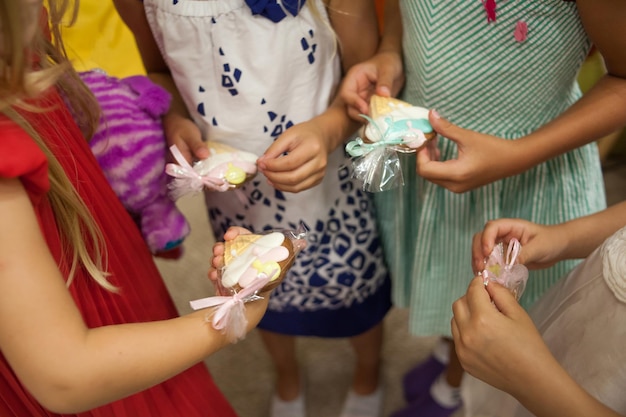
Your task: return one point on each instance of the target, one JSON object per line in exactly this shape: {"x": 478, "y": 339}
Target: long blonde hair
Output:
{"x": 26, "y": 73}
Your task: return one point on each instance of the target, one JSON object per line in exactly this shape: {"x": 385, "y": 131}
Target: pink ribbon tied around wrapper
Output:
{"x": 502, "y": 268}
{"x": 187, "y": 180}
{"x": 229, "y": 316}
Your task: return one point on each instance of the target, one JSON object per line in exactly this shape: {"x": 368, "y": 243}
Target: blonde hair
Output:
{"x": 25, "y": 73}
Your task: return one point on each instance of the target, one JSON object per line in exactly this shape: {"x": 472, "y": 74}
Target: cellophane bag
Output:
{"x": 253, "y": 264}
{"x": 502, "y": 268}
{"x": 225, "y": 169}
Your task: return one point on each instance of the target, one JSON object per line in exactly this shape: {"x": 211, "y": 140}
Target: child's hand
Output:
{"x": 482, "y": 159}
{"x": 297, "y": 160}
{"x": 498, "y": 342}
{"x": 382, "y": 75}
{"x": 541, "y": 245}
{"x": 217, "y": 262}
{"x": 185, "y": 134}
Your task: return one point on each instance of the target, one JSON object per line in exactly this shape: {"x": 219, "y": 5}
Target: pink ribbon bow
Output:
{"x": 187, "y": 180}
{"x": 229, "y": 316}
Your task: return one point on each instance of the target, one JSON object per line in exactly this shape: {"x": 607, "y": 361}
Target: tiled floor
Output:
{"x": 243, "y": 371}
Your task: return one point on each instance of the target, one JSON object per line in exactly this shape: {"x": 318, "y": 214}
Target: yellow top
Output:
{"x": 99, "y": 39}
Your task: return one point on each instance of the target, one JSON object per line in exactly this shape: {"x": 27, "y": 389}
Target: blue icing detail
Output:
{"x": 221, "y": 51}
{"x": 233, "y": 91}
{"x": 237, "y": 74}
{"x": 214, "y": 121}
{"x": 272, "y": 115}
{"x": 213, "y": 20}
{"x": 265, "y": 129}
{"x": 288, "y": 124}
{"x": 304, "y": 44}
{"x": 263, "y": 101}
{"x": 226, "y": 67}
{"x": 174, "y": 2}
{"x": 201, "y": 109}
{"x": 201, "y": 89}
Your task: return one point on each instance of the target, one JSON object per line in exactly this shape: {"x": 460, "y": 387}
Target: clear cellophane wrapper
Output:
{"x": 374, "y": 151}
{"x": 378, "y": 170}
{"x": 502, "y": 268}
{"x": 225, "y": 169}
{"x": 254, "y": 264}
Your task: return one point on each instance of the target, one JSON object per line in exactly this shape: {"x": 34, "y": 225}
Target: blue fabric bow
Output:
{"x": 272, "y": 10}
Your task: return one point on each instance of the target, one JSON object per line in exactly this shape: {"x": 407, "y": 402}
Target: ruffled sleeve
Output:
{"x": 20, "y": 157}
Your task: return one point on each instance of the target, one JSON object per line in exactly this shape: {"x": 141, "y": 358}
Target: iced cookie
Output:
{"x": 247, "y": 257}
{"x": 227, "y": 166}
{"x": 398, "y": 123}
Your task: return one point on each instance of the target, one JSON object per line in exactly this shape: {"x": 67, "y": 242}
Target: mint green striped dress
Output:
{"x": 477, "y": 75}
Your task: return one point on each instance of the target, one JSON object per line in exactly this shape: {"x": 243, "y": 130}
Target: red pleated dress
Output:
{"x": 143, "y": 296}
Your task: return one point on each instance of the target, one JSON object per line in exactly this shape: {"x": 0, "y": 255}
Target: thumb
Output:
{"x": 503, "y": 299}
{"x": 384, "y": 82}
{"x": 199, "y": 149}
{"x": 444, "y": 128}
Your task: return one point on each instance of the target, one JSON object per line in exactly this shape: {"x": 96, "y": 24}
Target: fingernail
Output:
{"x": 435, "y": 114}
{"x": 384, "y": 91}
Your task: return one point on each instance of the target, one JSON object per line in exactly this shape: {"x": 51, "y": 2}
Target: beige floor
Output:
{"x": 243, "y": 371}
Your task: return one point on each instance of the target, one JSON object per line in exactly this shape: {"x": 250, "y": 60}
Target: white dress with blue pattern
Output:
{"x": 246, "y": 79}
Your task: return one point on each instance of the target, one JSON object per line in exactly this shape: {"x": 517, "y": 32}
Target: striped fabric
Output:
{"x": 478, "y": 76}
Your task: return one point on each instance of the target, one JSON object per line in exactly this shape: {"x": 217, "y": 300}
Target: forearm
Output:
{"x": 356, "y": 26}
{"x": 553, "y": 393}
{"x": 596, "y": 114}
{"x": 585, "y": 234}
{"x": 177, "y": 105}
{"x": 116, "y": 361}
{"x": 391, "y": 40}
{"x": 134, "y": 16}
{"x": 336, "y": 125}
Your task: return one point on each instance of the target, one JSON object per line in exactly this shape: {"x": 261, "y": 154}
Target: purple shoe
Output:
{"x": 425, "y": 407}
{"x": 416, "y": 383}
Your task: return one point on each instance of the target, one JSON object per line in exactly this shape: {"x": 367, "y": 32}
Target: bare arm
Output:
{"x": 543, "y": 246}
{"x": 65, "y": 365}
{"x": 356, "y": 25}
{"x": 308, "y": 144}
{"x": 179, "y": 128}
{"x": 502, "y": 347}
{"x": 601, "y": 111}
{"x": 382, "y": 74}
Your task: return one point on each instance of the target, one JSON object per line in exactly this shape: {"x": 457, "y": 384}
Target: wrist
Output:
{"x": 335, "y": 126}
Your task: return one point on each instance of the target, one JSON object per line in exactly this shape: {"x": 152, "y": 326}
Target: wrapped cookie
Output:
{"x": 253, "y": 264}
{"x": 225, "y": 169}
{"x": 393, "y": 126}
{"x": 502, "y": 268}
